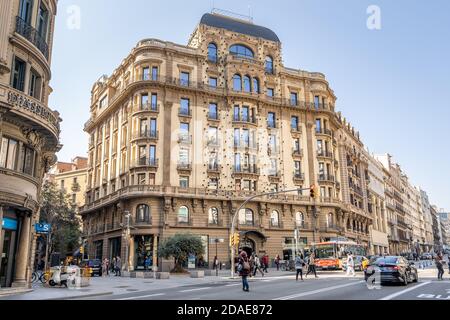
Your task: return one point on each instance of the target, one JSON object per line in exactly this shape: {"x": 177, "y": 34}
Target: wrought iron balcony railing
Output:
{"x": 31, "y": 34}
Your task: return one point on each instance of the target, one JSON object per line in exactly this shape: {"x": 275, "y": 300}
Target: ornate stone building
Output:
{"x": 182, "y": 135}
{"x": 29, "y": 130}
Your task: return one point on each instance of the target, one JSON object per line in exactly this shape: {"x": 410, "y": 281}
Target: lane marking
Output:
{"x": 394, "y": 295}
{"x": 233, "y": 285}
{"x": 303, "y": 294}
{"x": 189, "y": 290}
{"x": 140, "y": 297}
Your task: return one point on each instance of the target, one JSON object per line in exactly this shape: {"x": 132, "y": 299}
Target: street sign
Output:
{"x": 42, "y": 228}
{"x": 216, "y": 240}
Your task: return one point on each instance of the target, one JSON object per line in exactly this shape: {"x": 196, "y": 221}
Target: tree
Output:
{"x": 58, "y": 211}
{"x": 180, "y": 246}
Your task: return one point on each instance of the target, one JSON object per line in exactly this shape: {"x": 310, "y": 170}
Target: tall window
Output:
{"x": 143, "y": 127}
{"x": 247, "y": 85}
{"x": 35, "y": 84}
{"x": 143, "y": 213}
{"x": 42, "y": 24}
{"x": 237, "y": 137}
{"x": 316, "y": 102}
{"x": 213, "y": 216}
{"x": 213, "y": 111}
{"x": 152, "y": 127}
{"x": 184, "y": 106}
{"x": 241, "y": 51}
{"x": 146, "y": 73}
{"x": 25, "y": 11}
{"x": 246, "y": 217}
{"x": 184, "y": 79}
{"x": 318, "y": 126}
{"x": 18, "y": 74}
{"x": 329, "y": 220}
{"x": 17, "y": 156}
{"x": 297, "y": 168}
{"x": 294, "y": 123}
{"x": 294, "y": 99}
{"x": 245, "y": 114}
{"x": 184, "y": 182}
{"x": 183, "y": 214}
{"x": 300, "y": 219}
{"x": 274, "y": 219}
{"x": 152, "y": 154}
{"x": 154, "y": 73}
{"x": 270, "y": 92}
{"x": 237, "y": 162}
{"x": 269, "y": 65}
{"x": 297, "y": 145}
{"x": 103, "y": 102}
{"x": 237, "y": 83}
{"x": 154, "y": 101}
{"x": 212, "y": 52}
{"x": 212, "y": 82}
{"x": 184, "y": 157}
{"x": 255, "y": 85}
{"x": 213, "y": 138}
{"x": 271, "y": 119}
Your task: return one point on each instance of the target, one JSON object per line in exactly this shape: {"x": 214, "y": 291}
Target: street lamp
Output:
{"x": 233, "y": 221}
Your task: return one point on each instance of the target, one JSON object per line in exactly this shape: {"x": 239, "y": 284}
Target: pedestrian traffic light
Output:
{"x": 231, "y": 240}
{"x": 236, "y": 238}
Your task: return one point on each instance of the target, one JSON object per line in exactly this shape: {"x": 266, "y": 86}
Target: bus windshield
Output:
{"x": 325, "y": 251}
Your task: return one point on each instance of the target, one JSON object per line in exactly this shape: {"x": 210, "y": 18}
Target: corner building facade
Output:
{"x": 182, "y": 135}
{"x": 29, "y": 130}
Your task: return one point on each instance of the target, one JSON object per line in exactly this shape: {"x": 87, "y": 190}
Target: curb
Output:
{"x": 84, "y": 296}
{"x": 8, "y": 293}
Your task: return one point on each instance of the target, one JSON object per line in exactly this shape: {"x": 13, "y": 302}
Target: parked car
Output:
{"x": 94, "y": 264}
{"x": 393, "y": 269}
{"x": 426, "y": 256}
{"x": 358, "y": 263}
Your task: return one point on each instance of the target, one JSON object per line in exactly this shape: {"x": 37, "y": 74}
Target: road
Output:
{"x": 286, "y": 288}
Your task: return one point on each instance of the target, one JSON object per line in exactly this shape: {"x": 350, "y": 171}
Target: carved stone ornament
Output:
{"x": 34, "y": 139}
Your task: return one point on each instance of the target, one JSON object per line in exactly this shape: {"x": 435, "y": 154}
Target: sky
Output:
{"x": 390, "y": 82}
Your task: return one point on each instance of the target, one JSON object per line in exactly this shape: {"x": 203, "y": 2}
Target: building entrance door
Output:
{"x": 7, "y": 245}
{"x": 248, "y": 246}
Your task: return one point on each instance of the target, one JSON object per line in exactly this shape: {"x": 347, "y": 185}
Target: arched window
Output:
{"x": 275, "y": 219}
{"x": 213, "y": 216}
{"x": 143, "y": 213}
{"x": 241, "y": 51}
{"x": 212, "y": 52}
{"x": 247, "y": 85}
{"x": 255, "y": 85}
{"x": 329, "y": 220}
{"x": 246, "y": 217}
{"x": 300, "y": 219}
{"x": 237, "y": 83}
{"x": 183, "y": 214}
{"x": 269, "y": 64}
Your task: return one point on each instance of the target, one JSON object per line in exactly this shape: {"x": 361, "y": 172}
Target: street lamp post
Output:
{"x": 127, "y": 235}
{"x": 233, "y": 221}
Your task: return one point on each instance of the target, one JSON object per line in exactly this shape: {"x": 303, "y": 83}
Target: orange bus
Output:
{"x": 330, "y": 254}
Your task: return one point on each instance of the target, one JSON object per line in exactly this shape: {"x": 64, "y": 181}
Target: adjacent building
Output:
{"x": 29, "y": 129}
{"x": 181, "y": 135}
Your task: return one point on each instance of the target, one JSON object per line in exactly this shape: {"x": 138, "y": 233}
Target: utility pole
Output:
{"x": 233, "y": 221}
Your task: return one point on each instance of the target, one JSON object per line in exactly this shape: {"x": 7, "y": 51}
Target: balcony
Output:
{"x": 330, "y": 228}
{"x": 214, "y": 116}
{"x": 297, "y": 153}
{"x": 402, "y": 223}
{"x": 271, "y": 125}
{"x": 274, "y": 174}
{"x": 302, "y": 225}
{"x": 299, "y": 177}
{"x": 184, "y": 166}
{"x": 273, "y": 150}
{"x": 297, "y": 129}
{"x": 214, "y": 142}
{"x": 237, "y": 119}
{"x": 32, "y": 35}
{"x": 325, "y": 154}
{"x": 147, "y": 162}
{"x": 246, "y": 145}
{"x": 184, "y": 138}
{"x": 325, "y": 178}
{"x": 324, "y": 131}
{"x": 184, "y": 112}
{"x": 144, "y": 222}
{"x": 147, "y": 134}
{"x": 400, "y": 208}
{"x": 213, "y": 168}
{"x": 251, "y": 169}
{"x": 276, "y": 224}
{"x": 148, "y": 107}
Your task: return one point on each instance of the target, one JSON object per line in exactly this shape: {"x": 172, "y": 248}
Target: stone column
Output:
{"x": 5, "y": 23}
{"x": 155, "y": 253}
{"x": 20, "y": 279}
{"x": 1, "y": 232}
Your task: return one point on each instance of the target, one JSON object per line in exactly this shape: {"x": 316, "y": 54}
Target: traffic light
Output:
{"x": 236, "y": 238}
{"x": 231, "y": 240}
{"x": 312, "y": 191}
{"x": 82, "y": 250}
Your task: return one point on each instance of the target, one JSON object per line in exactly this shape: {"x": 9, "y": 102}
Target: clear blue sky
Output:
{"x": 390, "y": 83}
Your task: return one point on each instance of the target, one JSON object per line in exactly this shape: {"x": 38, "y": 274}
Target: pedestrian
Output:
{"x": 257, "y": 266}
{"x": 312, "y": 265}
{"x": 277, "y": 262}
{"x": 113, "y": 265}
{"x": 215, "y": 263}
{"x": 439, "y": 265}
{"x": 104, "y": 267}
{"x": 299, "y": 264}
{"x": 244, "y": 270}
{"x": 350, "y": 264}
{"x": 147, "y": 263}
{"x": 118, "y": 266}
{"x": 265, "y": 263}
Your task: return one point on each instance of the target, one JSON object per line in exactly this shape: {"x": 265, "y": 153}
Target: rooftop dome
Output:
{"x": 235, "y": 25}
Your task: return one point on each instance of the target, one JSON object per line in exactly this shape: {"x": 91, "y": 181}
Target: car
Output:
{"x": 426, "y": 256}
{"x": 393, "y": 269}
{"x": 94, "y": 264}
{"x": 358, "y": 263}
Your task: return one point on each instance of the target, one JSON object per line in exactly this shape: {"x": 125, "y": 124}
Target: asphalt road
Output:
{"x": 286, "y": 288}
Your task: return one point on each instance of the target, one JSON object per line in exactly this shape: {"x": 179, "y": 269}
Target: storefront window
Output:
{"x": 144, "y": 252}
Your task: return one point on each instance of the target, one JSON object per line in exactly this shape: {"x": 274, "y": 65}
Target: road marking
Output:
{"x": 189, "y": 290}
{"x": 233, "y": 285}
{"x": 394, "y": 295}
{"x": 140, "y": 297}
{"x": 303, "y": 294}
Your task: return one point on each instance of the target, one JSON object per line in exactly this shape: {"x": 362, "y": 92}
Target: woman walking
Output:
{"x": 299, "y": 264}
{"x": 257, "y": 266}
{"x": 439, "y": 265}
{"x": 244, "y": 270}
{"x": 277, "y": 262}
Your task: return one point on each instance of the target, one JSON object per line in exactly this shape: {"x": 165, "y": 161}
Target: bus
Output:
{"x": 330, "y": 254}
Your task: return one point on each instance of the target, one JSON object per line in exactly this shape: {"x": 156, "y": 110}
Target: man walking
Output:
{"x": 439, "y": 265}
{"x": 118, "y": 267}
{"x": 311, "y": 265}
{"x": 350, "y": 264}
{"x": 277, "y": 262}
{"x": 257, "y": 266}
{"x": 265, "y": 263}
{"x": 299, "y": 263}
{"x": 244, "y": 270}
